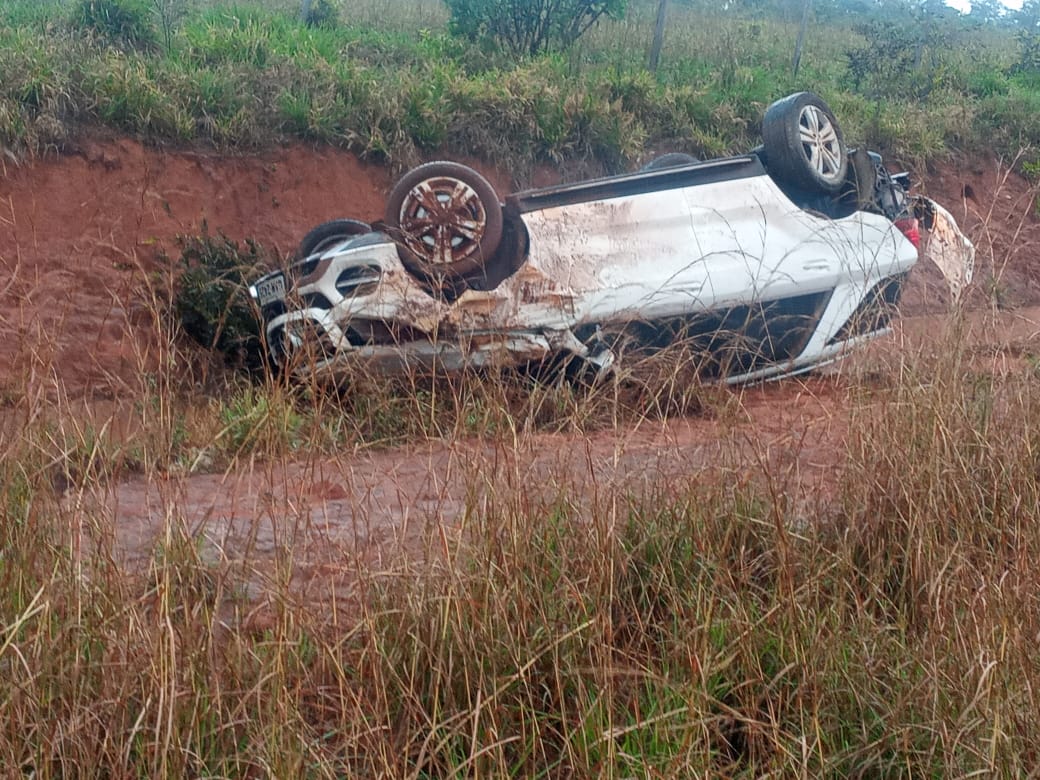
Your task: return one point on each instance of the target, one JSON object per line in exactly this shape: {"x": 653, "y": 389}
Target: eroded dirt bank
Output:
{"x": 81, "y": 234}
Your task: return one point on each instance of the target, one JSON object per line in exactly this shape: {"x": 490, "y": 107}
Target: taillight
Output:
{"x": 910, "y": 228}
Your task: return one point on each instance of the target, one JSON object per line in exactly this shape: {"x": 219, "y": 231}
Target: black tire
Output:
{"x": 445, "y": 218}
{"x": 861, "y": 180}
{"x": 328, "y": 234}
{"x": 510, "y": 255}
{"x": 669, "y": 160}
{"x": 804, "y": 144}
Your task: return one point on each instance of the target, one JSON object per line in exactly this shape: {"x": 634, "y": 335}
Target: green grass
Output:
{"x": 389, "y": 83}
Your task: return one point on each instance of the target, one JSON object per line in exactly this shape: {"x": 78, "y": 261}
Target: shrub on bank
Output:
{"x": 125, "y": 24}
{"x": 211, "y": 299}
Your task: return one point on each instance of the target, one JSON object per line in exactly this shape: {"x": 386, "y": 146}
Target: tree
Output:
{"x": 319, "y": 13}
{"x": 170, "y": 13}
{"x": 529, "y": 26}
{"x": 885, "y": 63}
{"x": 1028, "y": 16}
{"x": 1027, "y": 19}
{"x": 986, "y": 11}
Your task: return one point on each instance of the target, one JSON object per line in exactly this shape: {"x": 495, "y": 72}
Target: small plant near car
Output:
{"x": 212, "y": 301}
{"x": 255, "y": 420}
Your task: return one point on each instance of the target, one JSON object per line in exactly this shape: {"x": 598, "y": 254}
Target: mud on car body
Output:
{"x": 763, "y": 265}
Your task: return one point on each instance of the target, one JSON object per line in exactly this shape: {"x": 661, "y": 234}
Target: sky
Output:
{"x": 964, "y": 5}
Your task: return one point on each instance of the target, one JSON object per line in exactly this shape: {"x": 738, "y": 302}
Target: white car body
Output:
{"x": 716, "y": 244}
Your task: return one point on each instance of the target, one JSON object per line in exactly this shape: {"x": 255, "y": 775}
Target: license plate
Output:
{"x": 270, "y": 289}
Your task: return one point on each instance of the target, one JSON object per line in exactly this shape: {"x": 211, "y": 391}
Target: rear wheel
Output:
{"x": 328, "y": 234}
{"x": 804, "y": 145}
{"x": 446, "y": 219}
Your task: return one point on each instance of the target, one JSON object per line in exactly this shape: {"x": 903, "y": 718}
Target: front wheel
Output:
{"x": 446, "y": 219}
{"x": 804, "y": 145}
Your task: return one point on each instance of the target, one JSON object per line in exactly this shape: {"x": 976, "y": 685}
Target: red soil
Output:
{"x": 82, "y": 233}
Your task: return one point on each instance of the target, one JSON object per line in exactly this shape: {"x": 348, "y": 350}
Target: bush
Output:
{"x": 321, "y": 13}
{"x": 885, "y": 65}
{"x": 212, "y": 302}
{"x": 988, "y": 82}
{"x": 527, "y": 27}
{"x": 125, "y": 24}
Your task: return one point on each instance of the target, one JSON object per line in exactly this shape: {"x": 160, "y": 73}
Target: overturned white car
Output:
{"x": 761, "y": 265}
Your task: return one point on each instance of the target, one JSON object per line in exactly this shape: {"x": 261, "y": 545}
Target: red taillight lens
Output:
{"x": 910, "y": 228}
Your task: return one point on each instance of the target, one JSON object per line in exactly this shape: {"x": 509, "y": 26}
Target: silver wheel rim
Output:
{"x": 820, "y": 143}
{"x": 443, "y": 220}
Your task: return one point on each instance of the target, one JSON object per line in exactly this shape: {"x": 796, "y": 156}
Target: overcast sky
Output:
{"x": 964, "y": 5}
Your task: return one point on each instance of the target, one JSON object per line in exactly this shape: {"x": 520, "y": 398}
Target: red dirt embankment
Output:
{"x": 82, "y": 231}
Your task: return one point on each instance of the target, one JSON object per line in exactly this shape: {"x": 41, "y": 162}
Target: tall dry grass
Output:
{"x": 707, "y": 622}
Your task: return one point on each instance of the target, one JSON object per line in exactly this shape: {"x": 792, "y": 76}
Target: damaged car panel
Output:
{"x": 763, "y": 265}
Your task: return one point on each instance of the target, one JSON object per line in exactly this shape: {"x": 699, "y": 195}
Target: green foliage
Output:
{"x": 124, "y": 24}
{"x": 1009, "y": 121}
{"x": 988, "y": 82}
{"x": 131, "y": 96}
{"x": 212, "y": 301}
{"x": 529, "y": 26}
{"x": 898, "y": 61}
{"x": 1031, "y": 168}
{"x": 257, "y": 421}
{"x": 39, "y": 93}
{"x": 246, "y": 74}
{"x": 15, "y": 13}
{"x": 1029, "y": 54}
{"x": 883, "y": 61}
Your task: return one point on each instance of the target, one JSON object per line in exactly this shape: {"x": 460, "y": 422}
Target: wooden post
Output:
{"x": 801, "y": 39}
{"x": 655, "y": 47}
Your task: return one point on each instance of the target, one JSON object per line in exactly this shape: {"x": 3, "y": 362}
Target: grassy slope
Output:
{"x": 394, "y": 85}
